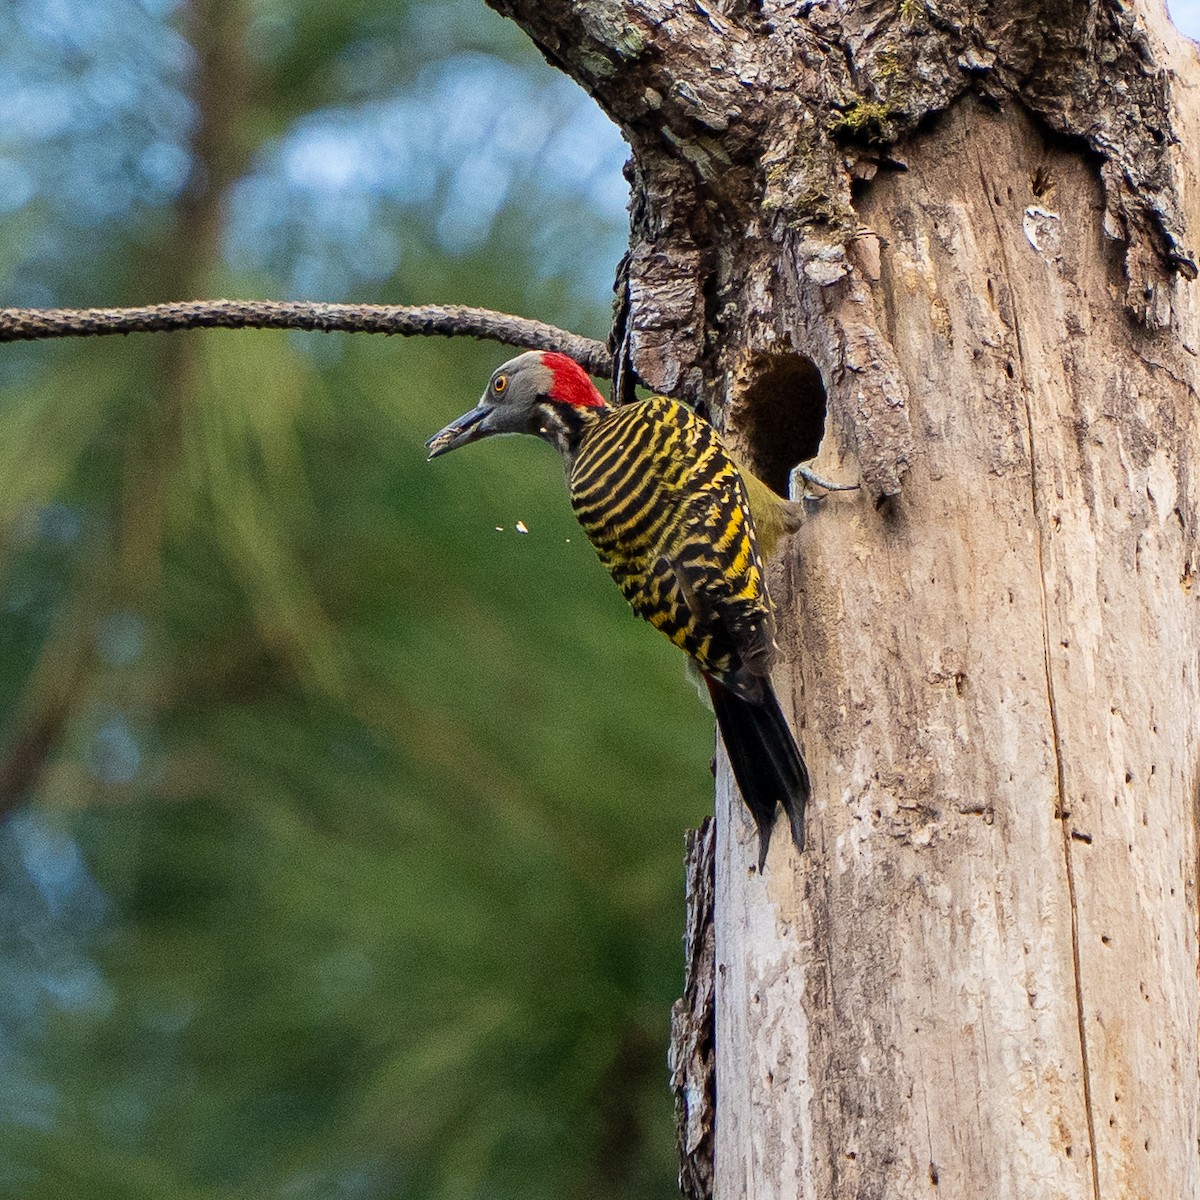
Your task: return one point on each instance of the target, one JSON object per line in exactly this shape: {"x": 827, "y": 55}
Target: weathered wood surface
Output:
{"x": 982, "y": 981}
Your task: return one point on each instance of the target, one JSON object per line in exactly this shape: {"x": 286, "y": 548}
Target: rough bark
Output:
{"x": 965, "y": 229}
{"x": 692, "y": 1054}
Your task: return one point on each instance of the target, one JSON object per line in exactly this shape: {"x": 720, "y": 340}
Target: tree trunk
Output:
{"x": 947, "y": 244}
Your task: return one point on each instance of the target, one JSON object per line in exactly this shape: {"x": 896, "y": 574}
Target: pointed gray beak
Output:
{"x": 467, "y": 429}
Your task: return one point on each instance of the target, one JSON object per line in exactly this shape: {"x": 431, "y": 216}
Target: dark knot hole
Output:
{"x": 780, "y": 417}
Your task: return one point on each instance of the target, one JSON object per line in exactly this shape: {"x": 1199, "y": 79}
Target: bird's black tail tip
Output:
{"x": 795, "y": 815}
{"x": 765, "y": 759}
{"x": 764, "y": 839}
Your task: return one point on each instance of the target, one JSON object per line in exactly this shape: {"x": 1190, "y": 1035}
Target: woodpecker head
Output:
{"x": 539, "y": 392}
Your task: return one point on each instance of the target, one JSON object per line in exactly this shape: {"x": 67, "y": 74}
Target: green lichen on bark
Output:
{"x": 865, "y": 120}
{"x": 609, "y": 23}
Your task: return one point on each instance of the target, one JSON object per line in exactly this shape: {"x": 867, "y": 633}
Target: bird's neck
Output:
{"x": 567, "y": 427}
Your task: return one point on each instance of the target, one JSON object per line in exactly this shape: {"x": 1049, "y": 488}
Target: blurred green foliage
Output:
{"x": 345, "y": 821}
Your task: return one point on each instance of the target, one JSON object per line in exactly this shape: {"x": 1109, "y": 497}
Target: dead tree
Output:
{"x": 946, "y": 246}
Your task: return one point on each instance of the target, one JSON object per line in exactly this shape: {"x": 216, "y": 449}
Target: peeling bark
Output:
{"x": 752, "y": 123}
{"x": 957, "y": 237}
{"x": 692, "y": 1054}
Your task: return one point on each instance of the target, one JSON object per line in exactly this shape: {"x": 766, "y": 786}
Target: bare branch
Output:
{"x": 444, "y": 320}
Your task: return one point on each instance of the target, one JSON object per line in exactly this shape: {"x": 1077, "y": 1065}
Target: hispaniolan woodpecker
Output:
{"x": 669, "y": 512}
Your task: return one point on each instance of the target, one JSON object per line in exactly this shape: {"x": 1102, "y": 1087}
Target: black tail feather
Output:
{"x": 765, "y": 759}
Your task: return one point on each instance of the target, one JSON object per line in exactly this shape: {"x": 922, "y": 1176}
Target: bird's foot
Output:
{"x": 813, "y": 480}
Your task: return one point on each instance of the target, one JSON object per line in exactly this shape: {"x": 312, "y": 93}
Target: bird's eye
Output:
{"x": 499, "y": 384}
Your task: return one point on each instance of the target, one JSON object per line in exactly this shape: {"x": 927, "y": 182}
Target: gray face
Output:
{"x": 514, "y": 401}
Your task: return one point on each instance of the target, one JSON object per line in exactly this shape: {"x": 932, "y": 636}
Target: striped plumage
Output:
{"x": 669, "y": 512}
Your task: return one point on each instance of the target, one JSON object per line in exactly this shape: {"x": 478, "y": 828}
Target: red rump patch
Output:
{"x": 571, "y": 383}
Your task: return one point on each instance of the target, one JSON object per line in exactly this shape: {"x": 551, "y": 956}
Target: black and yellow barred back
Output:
{"x": 667, "y": 510}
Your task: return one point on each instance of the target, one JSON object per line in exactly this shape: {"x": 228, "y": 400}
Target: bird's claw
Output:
{"x": 811, "y": 480}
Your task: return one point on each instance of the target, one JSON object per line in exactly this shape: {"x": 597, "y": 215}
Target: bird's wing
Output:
{"x": 774, "y": 517}
{"x": 667, "y": 510}
{"x": 719, "y": 570}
